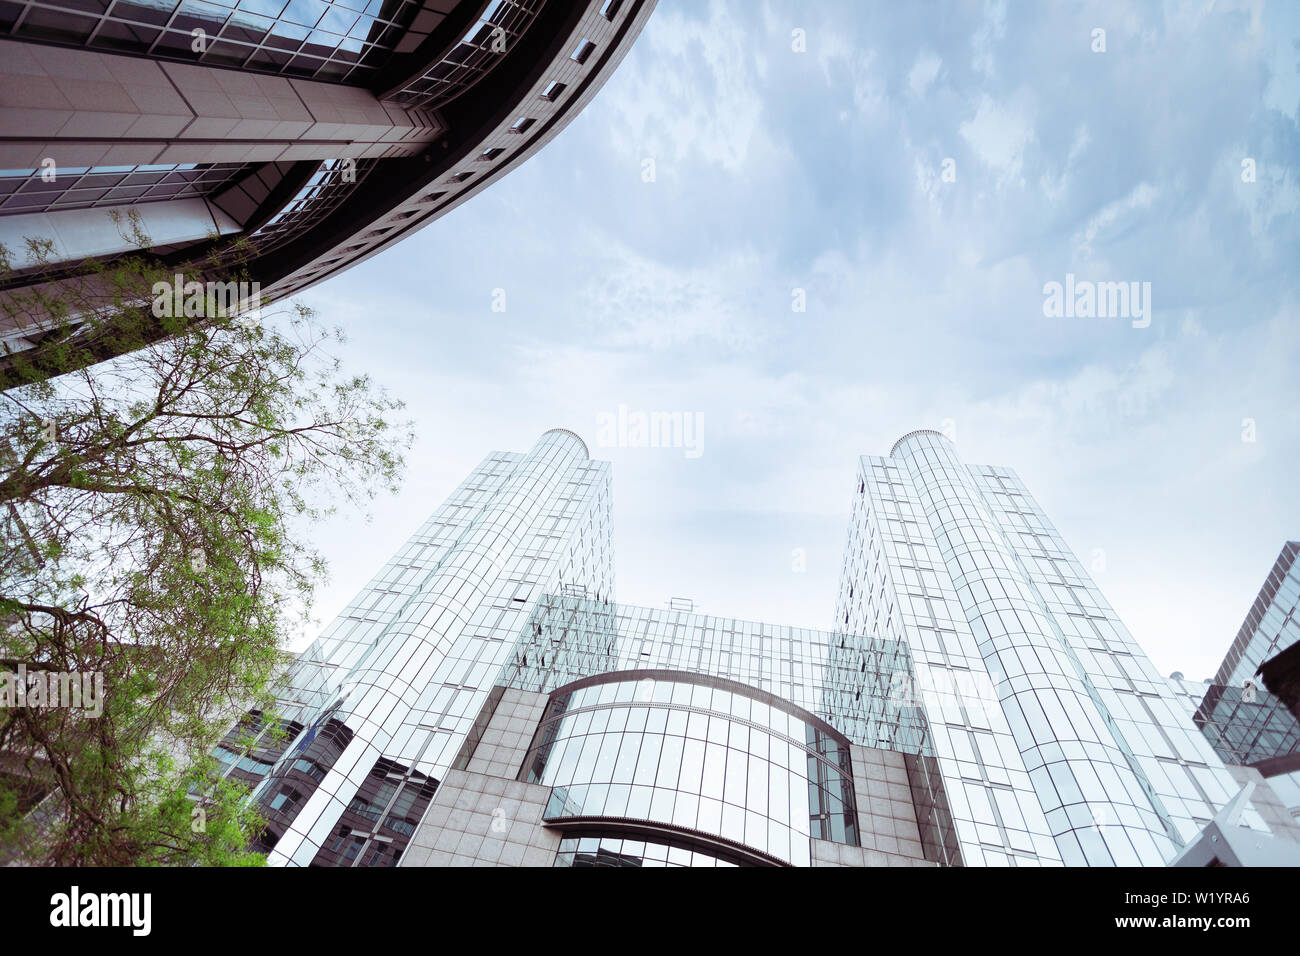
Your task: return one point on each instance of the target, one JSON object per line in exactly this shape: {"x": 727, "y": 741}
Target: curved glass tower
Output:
{"x": 406, "y": 667}
{"x": 1068, "y": 746}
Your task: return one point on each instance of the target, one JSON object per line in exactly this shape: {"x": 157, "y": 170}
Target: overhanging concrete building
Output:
{"x": 486, "y": 701}
{"x": 322, "y": 131}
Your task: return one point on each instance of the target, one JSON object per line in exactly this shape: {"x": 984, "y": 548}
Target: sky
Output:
{"x": 914, "y": 176}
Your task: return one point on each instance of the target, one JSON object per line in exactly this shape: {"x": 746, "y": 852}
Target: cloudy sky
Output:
{"x": 822, "y": 169}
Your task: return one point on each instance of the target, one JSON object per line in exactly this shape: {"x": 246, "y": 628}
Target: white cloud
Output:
{"x": 1114, "y": 214}
{"x": 992, "y": 29}
{"x": 1275, "y": 193}
{"x": 659, "y": 112}
{"x": 998, "y": 133}
{"x": 1057, "y": 187}
{"x": 923, "y": 73}
{"x": 632, "y": 301}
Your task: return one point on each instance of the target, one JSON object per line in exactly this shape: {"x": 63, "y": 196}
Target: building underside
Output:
{"x": 293, "y": 139}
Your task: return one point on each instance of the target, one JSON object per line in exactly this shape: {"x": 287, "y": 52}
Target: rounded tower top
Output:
{"x": 574, "y": 435}
{"x": 919, "y": 431}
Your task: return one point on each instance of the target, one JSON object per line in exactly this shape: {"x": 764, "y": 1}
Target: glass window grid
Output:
{"x": 1245, "y": 731}
{"x": 848, "y": 680}
{"x": 751, "y": 772}
{"x": 1181, "y": 778}
{"x": 380, "y": 818}
{"x": 252, "y": 747}
{"x": 88, "y": 187}
{"x": 342, "y": 41}
{"x": 617, "y": 851}
{"x": 1052, "y": 707}
{"x": 325, "y": 191}
{"x": 895, "y": 583}
{"x": 880, "y": 595}
{"x": 1272, "y": 624}
{"x": 480, "y": 49}
{"x": 851, "y": 681}
{"x": 566, "y": 544}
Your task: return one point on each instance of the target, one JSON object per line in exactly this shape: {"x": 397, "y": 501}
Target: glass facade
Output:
{"x": 409, "y": 663}
{"x": 253, "y": 746}
{"x": 1021, "y": 722}
{"x": 1272, "y": 624}
{"x": 380, "y": 819}
{"x": 343, "y": 41}
{"x": 1247, "y": 725}
{"x": 599, "y": 849}
{"x": 1243, "y": 721}
{"x": 1071, "y": 749}
{"x": 240, "y": 102}
{"x": 324, "y": 192}
{"x": 699, "y": 755}
{"x": 846, "y": 679}
{"x": 88, "y": 187}
{"x": 855, "y": 684}
{"x": 484, "y": 45}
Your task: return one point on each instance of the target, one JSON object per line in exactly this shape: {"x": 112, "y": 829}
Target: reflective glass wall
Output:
{"x": 696, "y": 754}
{"x": 1272, "y": 624}
{"x": 1069, "y": 747}
{"x": 408, "y": 664}
{"x": 597, "y": 848}
{"x": 1247, "y": 724}
{"x": 859, "y": 685}
{"x": 342, "y": 41}
{"x": 862, "y": 687}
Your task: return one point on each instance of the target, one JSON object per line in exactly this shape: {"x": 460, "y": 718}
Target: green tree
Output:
{"x": 153, "y": 509}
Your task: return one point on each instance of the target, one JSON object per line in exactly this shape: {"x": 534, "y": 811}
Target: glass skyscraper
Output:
{"x": 485, "y": 701}
{"x": 1086, "y": 757}
{"x": 387, "y": 693}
